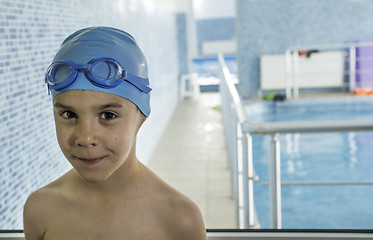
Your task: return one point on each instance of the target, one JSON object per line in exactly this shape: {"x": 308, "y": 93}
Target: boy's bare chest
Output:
{"x": 106, "y": 222}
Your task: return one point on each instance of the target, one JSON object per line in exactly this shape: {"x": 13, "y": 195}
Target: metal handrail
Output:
{"x": 323, "y": 183}
{"x": 245, "y": 129}
{"x": 308, "y": 126}
{"x": 242, "y": 117}
{"x": 243, "y": 176}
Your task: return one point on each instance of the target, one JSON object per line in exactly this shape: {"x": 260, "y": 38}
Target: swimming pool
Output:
{"x": 206, "y": 67}
{"x": 208, "y": 71}
{"x": 317, "y": 157}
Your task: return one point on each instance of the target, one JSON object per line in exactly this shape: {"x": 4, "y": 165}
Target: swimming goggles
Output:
{"x": 102, "y": 72}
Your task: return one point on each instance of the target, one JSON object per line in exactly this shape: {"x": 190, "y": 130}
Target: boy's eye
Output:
{"x": 68, "y": 114}
{"x": 108, "y": 115}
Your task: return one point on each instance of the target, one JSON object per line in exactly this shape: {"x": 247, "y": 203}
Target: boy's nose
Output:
{"x": 86, "y": 135}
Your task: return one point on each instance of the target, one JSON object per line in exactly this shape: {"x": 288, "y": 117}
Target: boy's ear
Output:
{"x": 141, "y": 118}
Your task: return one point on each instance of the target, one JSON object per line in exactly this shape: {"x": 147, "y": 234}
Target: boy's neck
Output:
{"x": 125, "y": 180}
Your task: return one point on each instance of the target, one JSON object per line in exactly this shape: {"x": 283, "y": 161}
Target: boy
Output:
{"x": 98, "y": 81}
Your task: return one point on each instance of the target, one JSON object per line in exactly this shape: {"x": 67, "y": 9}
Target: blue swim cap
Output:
{"x": 97, "y": 42}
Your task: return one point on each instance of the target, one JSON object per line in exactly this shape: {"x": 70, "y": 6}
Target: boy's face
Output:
{"x": 96, "y": 131}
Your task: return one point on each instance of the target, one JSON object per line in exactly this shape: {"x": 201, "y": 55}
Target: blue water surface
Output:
{"x": 209, "y": 66}
{"x": 312, "y": 157}
{"x": 317, "y": 157}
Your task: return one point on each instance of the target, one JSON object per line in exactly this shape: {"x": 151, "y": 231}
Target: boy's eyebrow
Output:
{"x": 110, "y": 105}
{"x": 100, "y": 107}
{"x": 60, "y": 105}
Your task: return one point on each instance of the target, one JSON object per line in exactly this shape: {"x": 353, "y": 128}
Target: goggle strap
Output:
{"x": 48, "y": 88}
{"x": 140, "y": 83}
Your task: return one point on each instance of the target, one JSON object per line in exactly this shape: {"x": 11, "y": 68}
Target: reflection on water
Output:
{"x": 318, "y": 157}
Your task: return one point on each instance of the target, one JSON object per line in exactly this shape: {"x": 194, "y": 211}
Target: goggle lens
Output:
{"x": 59, "y": 73}
{"x": 106, "y": 70}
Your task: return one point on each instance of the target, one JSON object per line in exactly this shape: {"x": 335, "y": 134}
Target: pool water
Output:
{"x": 312, "y": 157}
{"x": 208, "y": 68}
{"x": 317, "y": 157}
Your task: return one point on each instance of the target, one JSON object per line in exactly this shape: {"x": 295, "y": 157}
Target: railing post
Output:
{"x": 234, "y": 152}
{"x": 289, "y": 73}
{"x": 275, "y": 183}
{"x": 241, "y": 178}
{"x": 248, "y": 209}
{"x": 296, "y": 74}
{"x": 352, "y": 67}
{"x": 248, "y": 158}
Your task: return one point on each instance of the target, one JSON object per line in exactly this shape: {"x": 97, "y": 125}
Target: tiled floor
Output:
{"x": 192, "y": 157}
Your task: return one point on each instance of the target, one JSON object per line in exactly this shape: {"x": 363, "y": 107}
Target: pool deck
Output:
{"x": 192, "y": 157}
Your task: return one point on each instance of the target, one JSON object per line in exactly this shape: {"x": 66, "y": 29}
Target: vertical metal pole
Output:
{"x": 245, "y": 179}
{"x": 242, "y": 180}
{"x": 234, "y": 156}
{"x": 275, "y": 183}
{"x": 250, "y": 180}
{"x": 352, "y": 68}
{"x": 289, "y": 74}
{"x": 296, "y": 74}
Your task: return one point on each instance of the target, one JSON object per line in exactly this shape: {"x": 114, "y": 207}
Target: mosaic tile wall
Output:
{"x": 215, "y": 29}
{"x": 30, "y": 33}
{"x": 271, "y": 26}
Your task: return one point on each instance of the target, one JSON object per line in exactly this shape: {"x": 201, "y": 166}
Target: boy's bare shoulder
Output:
{"x": 40, "y": 207}
{"x": 50, "y": 194}
{"x": 184, "y": 219}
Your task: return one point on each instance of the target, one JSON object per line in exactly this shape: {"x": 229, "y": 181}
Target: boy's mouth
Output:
{"x": 90, "y": 160}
